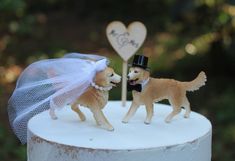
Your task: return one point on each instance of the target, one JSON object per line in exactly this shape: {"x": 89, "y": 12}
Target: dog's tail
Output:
{"x": 196, "y": 83}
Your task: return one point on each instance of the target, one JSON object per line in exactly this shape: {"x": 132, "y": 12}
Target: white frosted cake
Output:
{"x": 69, "y": 139}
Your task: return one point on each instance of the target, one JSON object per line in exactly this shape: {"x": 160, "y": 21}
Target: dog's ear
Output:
{"x": 145, "y": 74}
{"x": 101, "y": 78}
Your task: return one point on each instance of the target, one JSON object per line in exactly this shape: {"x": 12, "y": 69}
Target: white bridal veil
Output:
{"x": 51, "y": 83}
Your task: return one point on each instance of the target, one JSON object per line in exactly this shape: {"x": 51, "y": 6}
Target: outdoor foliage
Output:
{"x": 184, "y": 37}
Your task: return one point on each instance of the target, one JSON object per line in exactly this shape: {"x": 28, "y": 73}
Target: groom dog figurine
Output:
{"x": 147, "y": 90}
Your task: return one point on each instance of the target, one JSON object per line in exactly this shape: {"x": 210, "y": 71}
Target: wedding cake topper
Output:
{"x": 147, "y": 90}
{"x": 55, "y": 83}
{"x": 126, "y": 42}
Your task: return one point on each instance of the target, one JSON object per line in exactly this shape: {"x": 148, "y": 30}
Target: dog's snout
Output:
{"x": 128, "y": 77}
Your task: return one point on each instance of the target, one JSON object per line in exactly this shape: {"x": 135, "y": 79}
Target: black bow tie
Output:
{"x": 137, "y": 87}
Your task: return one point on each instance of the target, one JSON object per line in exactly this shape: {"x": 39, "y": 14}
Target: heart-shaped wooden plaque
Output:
{"x": 126, "y": 41}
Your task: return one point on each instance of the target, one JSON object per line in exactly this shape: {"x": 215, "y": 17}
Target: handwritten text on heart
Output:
{"x": 126, "y": 41}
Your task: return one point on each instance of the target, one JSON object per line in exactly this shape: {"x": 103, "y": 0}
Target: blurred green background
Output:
{"x": 184, "y": 37}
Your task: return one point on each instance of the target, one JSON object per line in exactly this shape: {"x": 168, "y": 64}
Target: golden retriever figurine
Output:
{"x": 96, "y": 97}
{"x": 154, "y": 90}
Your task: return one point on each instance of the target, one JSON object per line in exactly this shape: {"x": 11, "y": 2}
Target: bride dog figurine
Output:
{"x": 75, "y": 79}
{"x": 147, "y": 90}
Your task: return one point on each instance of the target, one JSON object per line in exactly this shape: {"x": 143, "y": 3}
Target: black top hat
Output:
{"x": 140, "y": 61}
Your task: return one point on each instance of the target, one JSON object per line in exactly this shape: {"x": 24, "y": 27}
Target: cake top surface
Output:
{"x": 69, "y": 130}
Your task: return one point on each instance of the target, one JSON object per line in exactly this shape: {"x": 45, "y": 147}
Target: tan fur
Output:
{"x": 159, "y": 89}
{"x": 95, "y": 99}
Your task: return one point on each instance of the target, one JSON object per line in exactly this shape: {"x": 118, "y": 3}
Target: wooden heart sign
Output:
{"x": 126, "y": 41}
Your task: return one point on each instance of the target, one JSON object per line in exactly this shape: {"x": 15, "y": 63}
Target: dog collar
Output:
{"x": 144, "y": 83}
{"x": 101, "y": 88}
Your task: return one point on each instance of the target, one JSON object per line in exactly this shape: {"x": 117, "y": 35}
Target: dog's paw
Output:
{"x": 83, "y": 119}
{"x": 147, "y": 122}
{"x": 54, "y": 117}
{"x": 186, "y": 116}
{"x": 52, "y": 114}
{"x": 107, "y": 127}
{"x": 167, "y": 121}
{"x": 110, "y": 129}
{"x": 124, "y": 121}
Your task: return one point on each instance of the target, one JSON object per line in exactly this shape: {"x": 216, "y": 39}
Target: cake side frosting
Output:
{"x": 67, "y": 137}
